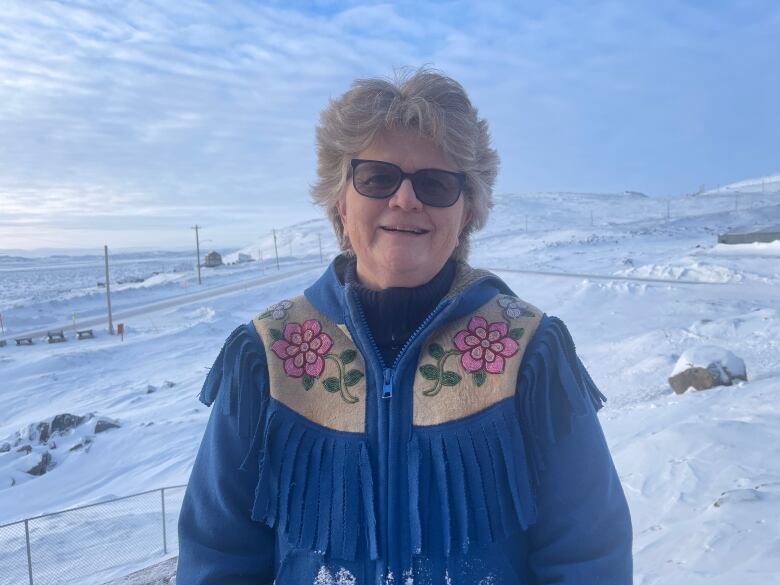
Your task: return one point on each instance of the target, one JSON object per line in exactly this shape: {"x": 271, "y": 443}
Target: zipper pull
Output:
{"x": 387, "y": 388}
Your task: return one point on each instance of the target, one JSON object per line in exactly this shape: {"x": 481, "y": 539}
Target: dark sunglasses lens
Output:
{"x": 376, "y": 179}
{"x": 437, "y": 188}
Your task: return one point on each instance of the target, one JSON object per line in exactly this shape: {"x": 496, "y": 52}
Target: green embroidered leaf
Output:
{"x": 347, "y": 356}
{"x": 264, "y": 315}
{"x": 450, "y": 378}
{"x": 527, "y": 313}
{"x": 352, "y": 377}
{"x": 332, "y": 384}
{"x": 429, "y": 372}
{"x": 435, "y": 350}
{"x": 516, "y": 333}
{"x": 308, "y": 382}
{"x": 276, "y": 334}
{"x": 479, "y": 377}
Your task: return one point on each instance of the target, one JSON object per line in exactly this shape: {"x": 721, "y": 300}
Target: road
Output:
{"x": 177, "y": 301}
{"x": 251, "y": 283}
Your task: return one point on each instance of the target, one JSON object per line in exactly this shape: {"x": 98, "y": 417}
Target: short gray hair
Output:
{"x": 427, "y": 101}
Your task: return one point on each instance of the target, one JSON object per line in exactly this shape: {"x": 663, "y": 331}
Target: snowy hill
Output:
{"x": 767, "y": 184}
{"x": 701, "y": 470}
{"x": 301, "y": 240}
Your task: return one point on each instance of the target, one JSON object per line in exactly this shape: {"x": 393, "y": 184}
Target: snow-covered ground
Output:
{"x": 701, "y": 470}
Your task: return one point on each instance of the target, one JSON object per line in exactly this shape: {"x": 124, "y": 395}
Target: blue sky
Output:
{"x": 125, "y": 123}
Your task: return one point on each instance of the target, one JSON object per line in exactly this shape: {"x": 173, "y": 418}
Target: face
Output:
{"x": 400, "y": 241}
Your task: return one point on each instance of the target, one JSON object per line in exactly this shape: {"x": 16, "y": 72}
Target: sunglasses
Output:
{"x": 378, "y": 180}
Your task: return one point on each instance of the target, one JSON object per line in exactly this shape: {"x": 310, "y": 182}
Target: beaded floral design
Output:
{"x": 514, "y": 308}
{"x": 482, "y": 348}
{"x": 304, "y": 347}
{"x": 277, "y": 311}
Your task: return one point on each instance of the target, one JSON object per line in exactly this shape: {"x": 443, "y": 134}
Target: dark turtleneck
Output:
{"x": 393, "y": 314}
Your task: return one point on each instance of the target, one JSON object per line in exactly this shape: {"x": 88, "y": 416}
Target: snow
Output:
{"x": 703, "y": 356}
{"x": 767, "y": 184}
{"x": 701, "y": 470}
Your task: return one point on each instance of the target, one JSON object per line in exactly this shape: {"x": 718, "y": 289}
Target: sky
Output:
{"x": 126, "y": 123}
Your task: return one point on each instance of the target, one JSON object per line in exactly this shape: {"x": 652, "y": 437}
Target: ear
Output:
{"x": 341, "y": 207}
{"x": 467, "y": 215}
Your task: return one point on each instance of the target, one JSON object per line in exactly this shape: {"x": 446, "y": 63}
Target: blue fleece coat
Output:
{"x": 569, "y": 521}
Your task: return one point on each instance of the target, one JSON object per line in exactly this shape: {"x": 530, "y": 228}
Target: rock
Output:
{"x": 26, "y": 449}
{"x": 705, "y": 367}
{"x": 150, "y": 389}
{"x": 43, "y": 432}
{"x": 65, "y": 422}
{"x": 85, "y": 443}
{"x": 5, "y": 447}
{"x": 169, "y": 384}
{"x": 104, "y": 425}
{"x": 44, "y": 465}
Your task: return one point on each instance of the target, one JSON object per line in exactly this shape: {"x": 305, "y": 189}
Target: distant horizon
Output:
{"x": 125, "y": 122}
{"x": 227, "y": 248}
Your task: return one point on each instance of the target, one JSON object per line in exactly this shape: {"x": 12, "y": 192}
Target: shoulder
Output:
{"x": 553, "y": 385}
{"x": 236, "y": 384}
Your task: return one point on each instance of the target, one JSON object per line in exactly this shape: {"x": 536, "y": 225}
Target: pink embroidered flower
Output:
{"x": 302, "y": 347}
{"x": 484, "y": 346}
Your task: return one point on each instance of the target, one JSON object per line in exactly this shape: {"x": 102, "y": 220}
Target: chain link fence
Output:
{"x": 91, "y": 544}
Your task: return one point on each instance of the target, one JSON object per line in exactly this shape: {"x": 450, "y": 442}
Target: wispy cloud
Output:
{"x": 178, "y": 111}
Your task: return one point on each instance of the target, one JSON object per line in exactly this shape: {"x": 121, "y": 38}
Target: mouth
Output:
{"x": 405, "y": 229}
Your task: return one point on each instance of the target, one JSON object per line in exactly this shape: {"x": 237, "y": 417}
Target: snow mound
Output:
{"x": 707, "y": 356}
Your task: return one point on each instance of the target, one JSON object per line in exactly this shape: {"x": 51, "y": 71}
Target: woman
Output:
{"x": 408, "y": 419}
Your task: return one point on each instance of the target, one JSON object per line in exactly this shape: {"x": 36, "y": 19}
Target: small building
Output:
{"x": 243, "y": 258}
{"x": 750, "y": 235}
{"x": 212, "y": 259}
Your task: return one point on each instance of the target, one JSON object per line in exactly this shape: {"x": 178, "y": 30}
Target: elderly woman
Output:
{"x": 408, "y": 419}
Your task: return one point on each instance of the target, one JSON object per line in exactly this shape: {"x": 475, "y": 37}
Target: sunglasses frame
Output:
{"x": 355, "y": 162}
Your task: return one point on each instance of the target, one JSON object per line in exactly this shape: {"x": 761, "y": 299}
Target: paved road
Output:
{"x": 245, "y": 284}
{"x": 167, "y": 303}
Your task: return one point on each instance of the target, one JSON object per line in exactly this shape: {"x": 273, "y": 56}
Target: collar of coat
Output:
{"x": 466, "y": 363}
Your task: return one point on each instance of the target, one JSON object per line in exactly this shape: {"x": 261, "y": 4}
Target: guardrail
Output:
{"x": 91, "y": 544}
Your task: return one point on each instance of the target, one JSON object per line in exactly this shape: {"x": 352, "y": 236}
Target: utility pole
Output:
{"x": 262, "y": 267}
{"x": 319, "y": 238}
{"x": 276, "y": 250}
{"x": 196, "y": 227}
{"x": 108, "y": 294}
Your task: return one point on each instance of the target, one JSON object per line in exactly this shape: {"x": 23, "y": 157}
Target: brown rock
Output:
{"x": 699, "y": 378}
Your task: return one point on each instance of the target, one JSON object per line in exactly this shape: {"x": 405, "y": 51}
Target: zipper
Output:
{"x": 388, "y": 373}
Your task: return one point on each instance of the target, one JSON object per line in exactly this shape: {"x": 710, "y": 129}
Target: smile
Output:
{"x": 404, "y": 229}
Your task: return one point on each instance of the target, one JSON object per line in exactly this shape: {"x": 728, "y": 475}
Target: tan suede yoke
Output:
{"x": 314, "y": 367}
{"x": 472, "y": 363}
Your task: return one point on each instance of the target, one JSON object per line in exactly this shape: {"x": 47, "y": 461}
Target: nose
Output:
{"x": 405, "y": 198}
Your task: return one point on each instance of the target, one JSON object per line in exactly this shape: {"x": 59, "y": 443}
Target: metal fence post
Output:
{"x": 29, "y": 558}
{"x": 165, "y": 537}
